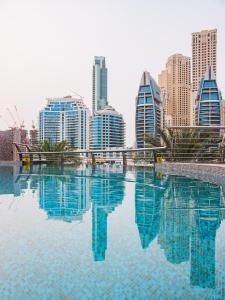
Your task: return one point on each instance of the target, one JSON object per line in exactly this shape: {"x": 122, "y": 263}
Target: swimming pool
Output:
{"x": 109, "y": 233}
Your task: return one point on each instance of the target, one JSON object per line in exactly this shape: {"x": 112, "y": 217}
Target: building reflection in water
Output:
{"x": 10, "y": 182}
{"x": 148, "y": 198}
{"x": 182, "y": 214}
{"x": 205, "y": 222}
{"x": 64, "y": 193}
{"x": 107, "y": 192}
{"x": 185, "y": 215}
{"x": 174, "y": 236}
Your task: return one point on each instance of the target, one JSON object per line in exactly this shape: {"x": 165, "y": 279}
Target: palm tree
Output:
{"x": 187, "y": 144}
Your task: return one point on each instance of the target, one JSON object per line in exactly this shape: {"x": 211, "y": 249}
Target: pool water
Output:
{"x": 109, "y": 233}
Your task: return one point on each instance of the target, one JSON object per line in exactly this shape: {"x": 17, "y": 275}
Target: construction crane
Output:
{"x": 11, "y": 115}
{"x": 17, "y": 114}
{"x": 19, "y": 120}
{"x": 5, "y": 121}
{"x": 81, "y": 97}
{"x": 33, "y": 125}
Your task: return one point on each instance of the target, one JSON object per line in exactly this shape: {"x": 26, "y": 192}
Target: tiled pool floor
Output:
{"x": 109, "y": 233}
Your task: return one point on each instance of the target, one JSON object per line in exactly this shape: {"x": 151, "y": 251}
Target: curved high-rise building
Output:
{"x": 209, "y": 101}
{"x": 107, "y": 129}
{"x": 149, "y": 109}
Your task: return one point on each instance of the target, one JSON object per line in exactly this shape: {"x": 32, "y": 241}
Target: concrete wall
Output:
{"x": 7, "y": 138}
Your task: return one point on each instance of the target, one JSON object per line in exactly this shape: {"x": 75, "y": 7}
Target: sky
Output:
{"x": 48, "y": 47}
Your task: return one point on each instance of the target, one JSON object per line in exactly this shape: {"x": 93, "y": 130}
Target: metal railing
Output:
{"x": 77, "y": 155}
{"x": 195, "y": 144}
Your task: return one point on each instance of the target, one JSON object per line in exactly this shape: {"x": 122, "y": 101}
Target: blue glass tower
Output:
{"x": 209, "y": 101}
{"x": 65, "y": 119}
{"x": 99, "y": 90}
{"x": 106, "y": 129}
{"x": 149, "y": 109}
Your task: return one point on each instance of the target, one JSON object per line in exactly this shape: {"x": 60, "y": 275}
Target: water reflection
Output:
{"x": 148, "y": 201}
{"x": 185, "y": 215}
{"x": 64, "y": 196}
{"x": 107, "y": 192}
{"x": 182, "y": 215}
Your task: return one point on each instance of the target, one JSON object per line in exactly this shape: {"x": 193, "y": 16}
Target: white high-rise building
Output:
{"x": 67, "y": 119}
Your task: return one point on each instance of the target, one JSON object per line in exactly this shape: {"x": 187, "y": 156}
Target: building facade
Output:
{"x": 99, "y": 81}
{"x": 204, "y": 54}
{"x": 149, "y": 109}
{"x": 107, "y": 129}
{"x": 209, "y": 103}
{"x": 175, "y": 83}
{"x": 65, "y": 119}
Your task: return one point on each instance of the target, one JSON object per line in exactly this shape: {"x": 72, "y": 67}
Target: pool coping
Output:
{"x": 5, "y": 163}
{"x": 213, "y": 173}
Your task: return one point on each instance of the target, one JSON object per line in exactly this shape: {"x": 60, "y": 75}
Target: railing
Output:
{"x": 76, "y": 155}
{"x": 195, "y": 144}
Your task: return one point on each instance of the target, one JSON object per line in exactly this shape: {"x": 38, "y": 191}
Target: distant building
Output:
{"x": 107, "y": 129}
{"x": 175, "y": 83}
{"x": 209, "y": 104}
{"x": 99, "y": 89}
{"x": 149, "y": 109}
{"x": 204, "y": 54}
{"x": 65, "y": 119}
{"x": 33, "y": 135}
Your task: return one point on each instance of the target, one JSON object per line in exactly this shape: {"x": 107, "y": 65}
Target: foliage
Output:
{"x": 189, "y": 144}
{"x": 62, "y": 157}
{"x": 57, "y": 147}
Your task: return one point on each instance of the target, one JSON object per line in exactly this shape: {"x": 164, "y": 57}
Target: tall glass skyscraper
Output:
{"x": 107, "y": 129}
{"x": 65, "y": 119}
{"x": 99, "y": 90}
{"x": 149, "y": 109}
{"x": 209, "y": 101}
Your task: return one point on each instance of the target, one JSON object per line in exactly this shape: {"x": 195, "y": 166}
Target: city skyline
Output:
{"x": 41, "y": 60}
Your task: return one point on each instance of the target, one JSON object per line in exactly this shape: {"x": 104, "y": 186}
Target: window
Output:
{"x": 140, "y": 100}
{"x": 205, "y": 96}
{"x": 149, "y": 100}
{"x": 210, "y": 84}
{"x": 214, "y": 96}
{"x": 145, "y": 89}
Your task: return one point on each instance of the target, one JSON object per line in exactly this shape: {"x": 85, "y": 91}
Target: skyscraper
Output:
{"x": 65, "y": 119}
{"x": 107, "y": 129}
{"x": 149, "y": 109}
{"x": 203, "y": 54}
{"x": 99, "y": 89}
{"x": 209, "y": 103}
{"x": 175, "y": 82}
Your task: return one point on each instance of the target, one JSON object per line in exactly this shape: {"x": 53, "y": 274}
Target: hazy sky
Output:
{"x": 48, "y": 46}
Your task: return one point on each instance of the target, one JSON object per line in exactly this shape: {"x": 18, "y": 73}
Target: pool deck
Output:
{"x": 214, "y": 173}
